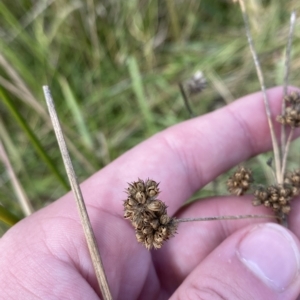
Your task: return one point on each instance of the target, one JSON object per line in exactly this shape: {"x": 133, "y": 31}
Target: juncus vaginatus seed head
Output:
{"x": 147, "y": 214}
{"x": 240, "y": 181}
{"x": 277, "y": 197}
{"x": 293, "y": 178}
{"x": 291, "y": 114}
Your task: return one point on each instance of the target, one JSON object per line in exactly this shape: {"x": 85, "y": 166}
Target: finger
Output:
{"x": 187, "y": 156}
{"x": 196, "y": 240}
{"x": 257, "y": 262}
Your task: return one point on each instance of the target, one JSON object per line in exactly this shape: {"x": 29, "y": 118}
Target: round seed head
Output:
{"x": 239, "y": 182}
{"x": 291, "y": 114}
{"x": 148, "y": 215}
{"x": 275, "y": 196}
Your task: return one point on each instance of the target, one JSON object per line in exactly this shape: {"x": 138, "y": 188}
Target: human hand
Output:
{"x": 45, "y": 256}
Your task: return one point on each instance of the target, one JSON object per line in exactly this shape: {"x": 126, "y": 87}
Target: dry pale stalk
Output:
{"x": 286, "y": 79}
{"x": 218, "y": 218}
{"x": 86, "y": 224}
{"x": 265, "y": 97}
{"x": 21, "y": 195}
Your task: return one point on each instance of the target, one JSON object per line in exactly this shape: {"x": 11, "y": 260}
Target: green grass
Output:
{"x": 113, "y": 68}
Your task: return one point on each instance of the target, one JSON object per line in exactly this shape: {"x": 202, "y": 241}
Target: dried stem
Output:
{"x": 265, "y": 97}
{"x": 88, "y": 231}
{"x": 286, "y": 77}
{"x": 286, "y": 151}
{"x": 216, "y": 218}
{"x": 186, "y": 100}
{"x": 21, "y": 195}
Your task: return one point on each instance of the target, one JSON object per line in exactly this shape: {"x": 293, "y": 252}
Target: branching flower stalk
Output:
{"x": 285, "y": 147}
{"x": 279, "y": 195}
{"x": 265, "y": 96}
{"x": 148, "y": 215}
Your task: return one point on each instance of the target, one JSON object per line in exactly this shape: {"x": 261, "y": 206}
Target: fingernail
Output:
{"x": 271, "y": 254}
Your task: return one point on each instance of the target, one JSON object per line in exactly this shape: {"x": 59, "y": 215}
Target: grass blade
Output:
{"x": 19, "y": 191}
{"x": 7, "y": 217}
{"x": 138, "y": 89}
{"x": 76, "y": 112}
{"x": 32, "y": 137}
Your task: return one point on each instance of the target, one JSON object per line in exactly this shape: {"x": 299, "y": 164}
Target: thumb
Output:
{"x": 257, "y": 262}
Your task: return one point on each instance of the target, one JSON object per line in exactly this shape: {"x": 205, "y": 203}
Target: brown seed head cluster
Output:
{"x": 278, "y": 197}
{"x": 240, "y": 181}
{"x": 148, "y": 215}
{"x": 291, "y": 115}
{"x": 293, "y": 179}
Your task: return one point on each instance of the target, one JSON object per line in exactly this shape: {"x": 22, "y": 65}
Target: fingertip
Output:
{"x": 271, "y": 253}
{"x": 258, "y": 262}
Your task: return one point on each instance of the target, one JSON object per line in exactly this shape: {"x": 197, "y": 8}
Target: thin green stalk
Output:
{"x": 32, "y": 137}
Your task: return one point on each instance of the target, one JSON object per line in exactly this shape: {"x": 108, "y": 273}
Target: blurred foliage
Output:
{"x": 113, "y": 68}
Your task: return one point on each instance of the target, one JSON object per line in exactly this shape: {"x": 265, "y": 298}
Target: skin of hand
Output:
{"x": 45, "y": 255}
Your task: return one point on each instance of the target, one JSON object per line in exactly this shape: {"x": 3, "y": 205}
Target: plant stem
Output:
{"x": 216, "y": 218}
{"x": 265, "y": 97}
{"x": 86, "y": 224}
{"x": 286, "y": 77}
